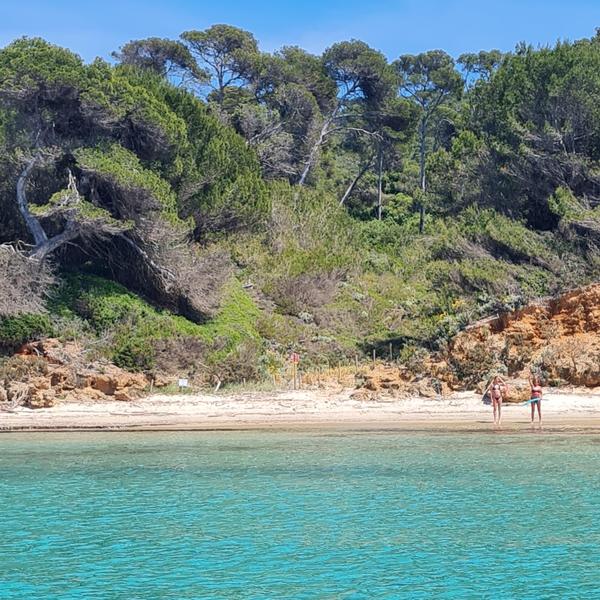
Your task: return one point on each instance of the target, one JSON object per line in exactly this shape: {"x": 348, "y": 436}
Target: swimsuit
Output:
{"x": 496, "y": 393}
{"x": 536, "y": 394}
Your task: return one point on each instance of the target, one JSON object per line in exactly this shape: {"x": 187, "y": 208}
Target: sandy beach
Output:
{"x": 573, "y": 410}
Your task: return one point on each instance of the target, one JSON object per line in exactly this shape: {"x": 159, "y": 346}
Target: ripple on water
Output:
{"x": 299, "y": 515}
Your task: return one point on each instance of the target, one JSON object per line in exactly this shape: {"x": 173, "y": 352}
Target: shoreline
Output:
{"x": 575, "y": 411}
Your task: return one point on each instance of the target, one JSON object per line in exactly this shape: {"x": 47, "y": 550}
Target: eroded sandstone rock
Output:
{"x": 398, "y": 382}
{"x": 558, "y": 338}
{"x": 49, "y": 371}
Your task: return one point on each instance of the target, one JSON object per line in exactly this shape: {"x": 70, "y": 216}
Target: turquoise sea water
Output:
{"x": 299, "y": 515}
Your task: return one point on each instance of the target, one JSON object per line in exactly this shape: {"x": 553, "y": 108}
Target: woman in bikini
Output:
{"x": 496, "y": 390}
{"x": 536, "y": 397}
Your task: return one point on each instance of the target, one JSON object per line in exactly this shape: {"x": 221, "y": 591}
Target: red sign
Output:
{"x": 294, "y": 358}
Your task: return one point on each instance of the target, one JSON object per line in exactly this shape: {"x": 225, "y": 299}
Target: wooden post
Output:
{"x": 422, "y": 140}
{"x": 379, "y": 185}
{"x": 391, "y": 352}
{"x": 373, "y": 357}
{"x": 295, "y": 372}
{"x": 356, "y": 361}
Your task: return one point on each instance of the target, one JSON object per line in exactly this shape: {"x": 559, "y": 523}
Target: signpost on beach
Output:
{"x": 295, "y": 359}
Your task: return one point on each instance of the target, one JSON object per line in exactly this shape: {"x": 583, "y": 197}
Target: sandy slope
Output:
{"x": 572, "y": 409}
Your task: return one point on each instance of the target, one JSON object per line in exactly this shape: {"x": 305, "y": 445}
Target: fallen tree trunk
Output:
{"x": 353, "y": 183}
{"x": 33, "y": 225}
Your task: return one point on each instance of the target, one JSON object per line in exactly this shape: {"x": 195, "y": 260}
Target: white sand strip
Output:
{"x": 305, "y": 408}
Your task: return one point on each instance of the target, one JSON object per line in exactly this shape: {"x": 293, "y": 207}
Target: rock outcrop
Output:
{"x": 557, "y": 338}
{"x": 45, "y": 372}
{"x": 397, "y": 382}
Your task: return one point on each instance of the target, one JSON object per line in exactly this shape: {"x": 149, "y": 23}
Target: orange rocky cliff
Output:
{"x": 558, "y": 338}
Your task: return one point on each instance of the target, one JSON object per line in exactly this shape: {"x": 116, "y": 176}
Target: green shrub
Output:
{"x": 133, "y": 328}
{"x": 382, "y": 236}
{"x": 564, "y": 204}
{"x": 503, "y": 234}
{"x": 124, "y": 167}
{"x": 18, "y": 330}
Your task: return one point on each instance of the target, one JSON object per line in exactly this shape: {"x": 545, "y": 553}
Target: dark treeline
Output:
{"x": 298, "y": 111}
{"x": 356, "y": 125}
{"x": 360, "y": 200}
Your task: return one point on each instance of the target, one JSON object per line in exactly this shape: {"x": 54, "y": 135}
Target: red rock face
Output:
{"x": 559, "y": 338}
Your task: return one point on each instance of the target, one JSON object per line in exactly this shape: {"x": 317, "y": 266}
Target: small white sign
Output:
{"x": 183, "y": 383}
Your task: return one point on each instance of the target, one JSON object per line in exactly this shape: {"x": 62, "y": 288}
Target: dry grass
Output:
{"x": 24, "y": 283}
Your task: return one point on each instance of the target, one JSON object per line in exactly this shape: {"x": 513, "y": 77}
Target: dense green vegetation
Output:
{"x": 203, "y": 207}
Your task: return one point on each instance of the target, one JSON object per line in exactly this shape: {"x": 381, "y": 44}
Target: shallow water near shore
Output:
{"x": 299, "y": 515}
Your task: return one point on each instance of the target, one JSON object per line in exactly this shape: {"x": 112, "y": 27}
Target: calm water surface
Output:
{"x": 299, "y": 515}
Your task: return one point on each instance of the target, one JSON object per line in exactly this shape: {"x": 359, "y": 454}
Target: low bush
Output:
{"x": 18, "y": 330}
{"x": 140, "y": 337}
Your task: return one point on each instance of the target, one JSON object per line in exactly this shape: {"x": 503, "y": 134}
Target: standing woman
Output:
{"x": 496, "y": 390}
{"x": 536, "y": 397}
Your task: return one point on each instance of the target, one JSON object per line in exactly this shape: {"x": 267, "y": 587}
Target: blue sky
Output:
{"x": 395, "y": 27}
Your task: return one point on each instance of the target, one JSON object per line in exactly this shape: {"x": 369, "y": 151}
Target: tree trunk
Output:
{"x": 353, "y": 183}
{"x": 221, "y": 84}
{"x": 314, "y": 152}
{"x": 423, "y": 183}
{"x": 33, "y": 225}
{"x": 42, "y": 244}
{"x": 380, "y": 184}
{"x": 50, "y": 245}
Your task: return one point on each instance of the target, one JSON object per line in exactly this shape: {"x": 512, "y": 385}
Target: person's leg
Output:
{"x": 499, "y": 411}
{"x": 532, "y": 412}
{"x": 495, "y": 406}
{"x": 539, "y": 405}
